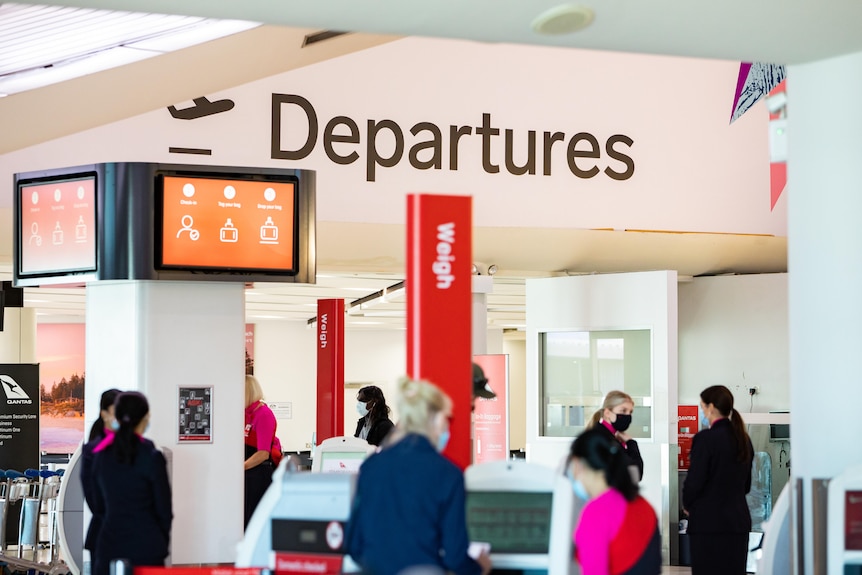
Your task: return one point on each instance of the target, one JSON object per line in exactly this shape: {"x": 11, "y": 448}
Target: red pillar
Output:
{"x": 439, "y": 255}
{"x": 330, "y": 368}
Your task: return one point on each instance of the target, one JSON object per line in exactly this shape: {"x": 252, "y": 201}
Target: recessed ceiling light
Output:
{"x": 563, "y": 19}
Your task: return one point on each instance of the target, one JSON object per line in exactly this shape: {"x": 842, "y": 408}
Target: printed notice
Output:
{"x": 195, "y": 415}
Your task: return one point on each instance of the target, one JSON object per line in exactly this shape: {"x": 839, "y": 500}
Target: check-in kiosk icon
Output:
{"x": 187, "y": 222}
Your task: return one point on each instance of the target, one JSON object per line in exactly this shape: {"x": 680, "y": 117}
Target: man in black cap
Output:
{"x": 480, "y": 386}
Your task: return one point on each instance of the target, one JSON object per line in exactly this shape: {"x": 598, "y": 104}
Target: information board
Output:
{"x": 210, "y": 223}
{"x": 58, "y": 226}
{"x": 195, "y": 414}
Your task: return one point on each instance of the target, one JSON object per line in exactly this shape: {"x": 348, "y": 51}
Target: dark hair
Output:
{"x": 97, "y": 431}
{"x": 721, "y": 398}
{"x": 130, "y": 408}
{"x": 373, "y": 393}
{"x": 599, "y": 452}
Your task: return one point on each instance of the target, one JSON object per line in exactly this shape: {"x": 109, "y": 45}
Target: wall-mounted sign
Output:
{"x": 281, "y": 409}
{"x": 211, "y": 223}
{"x": 57, "y": 220}
{"x": 491, "y": 416}
{"x": 686, "y": 427}
{"x": 195, "y": 414}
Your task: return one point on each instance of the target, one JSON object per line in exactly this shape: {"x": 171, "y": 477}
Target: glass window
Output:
{"x": 579, "y": 367}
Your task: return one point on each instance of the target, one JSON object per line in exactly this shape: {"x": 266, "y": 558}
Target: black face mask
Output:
{"x": 622, "y": 422}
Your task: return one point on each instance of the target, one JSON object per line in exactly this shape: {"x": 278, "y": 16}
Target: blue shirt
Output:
{"x": 409, "y": 510}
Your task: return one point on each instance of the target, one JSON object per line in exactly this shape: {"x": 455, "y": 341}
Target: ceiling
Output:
{"x": 359, "y": 260}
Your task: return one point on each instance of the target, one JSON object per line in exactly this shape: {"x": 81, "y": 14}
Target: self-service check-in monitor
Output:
{"x": 341, "y": 455}
{"x": 300, "y": 519}
{"x": 525, "y": 512}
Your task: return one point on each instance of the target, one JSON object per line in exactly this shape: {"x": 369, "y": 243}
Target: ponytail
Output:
{"x": 743, "y": 442}
{"x": 594, "y": 420}
{"x": 611, "y": 400}
{"x": 601, "y": 453}
{"x": 130, "y": 409}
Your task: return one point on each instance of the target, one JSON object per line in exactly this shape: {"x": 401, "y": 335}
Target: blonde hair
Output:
{"x": 418, "y": 402}
{"x": 253, "y": 392}
{"x": 612, "y": 399}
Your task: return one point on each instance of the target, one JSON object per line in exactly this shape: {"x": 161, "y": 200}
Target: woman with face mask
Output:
{"x": 713, "y": 494}
{"x": 617, "y": 532}
{"x": 409, "y": 509}
{"x": 374, "y": 423}
{"x": 132, "y": 491}
{"x": 614, "y": 418}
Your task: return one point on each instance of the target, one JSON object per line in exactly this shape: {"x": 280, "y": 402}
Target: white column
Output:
{"x": 482, "y": 286}
{"x": 153, "y": 337}
{"x": 825, "y": 272}
{"x": 18, "y": 338}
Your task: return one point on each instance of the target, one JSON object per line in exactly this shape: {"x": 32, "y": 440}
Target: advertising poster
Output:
{"x": 195, "y": 415}
{"x": 491, "y": 416}
{"x": 686, "y": 427}
{"x": 60, "y": 354}
{"x": 249, "y": 349}
{"x": 19, "y": 416}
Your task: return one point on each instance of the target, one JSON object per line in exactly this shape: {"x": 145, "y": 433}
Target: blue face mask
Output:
{"x": 577, "y": 487}
{"x": 443, "y": 441}
{"x": 115, "y": 425}
{"x": 704, "y": 420}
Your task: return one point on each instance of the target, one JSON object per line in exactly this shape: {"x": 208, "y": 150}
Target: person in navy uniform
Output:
{"x": 132, "y": 491}
{"x": 102, "y": 427}
{"x": 409, "y": 511}
{"x": 713, "y": 494}
{"x": 374, "y": 423}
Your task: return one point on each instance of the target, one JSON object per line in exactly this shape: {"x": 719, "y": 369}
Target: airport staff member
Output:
{"x": 713, "y": 494}
{"x": 614, "y": 418}
{"x": 374, "y": 423}
{"x": 409, "y": 509}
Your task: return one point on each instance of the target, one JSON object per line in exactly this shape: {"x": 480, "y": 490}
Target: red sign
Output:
{"x": 227, "y": 224}
{"x": 330, "y": 369}
{"x": 58, "y": 226}
{"x": 300, "y": 563}
{"x": 686, "y": 427}
{"x": 197, "y": 571}
{"x": 439, "y": 313}
{"x": 853, "y": 520}
{"x": 491, "y": 416}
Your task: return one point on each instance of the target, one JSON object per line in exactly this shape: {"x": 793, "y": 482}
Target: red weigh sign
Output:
{"x": 439, "y": 312}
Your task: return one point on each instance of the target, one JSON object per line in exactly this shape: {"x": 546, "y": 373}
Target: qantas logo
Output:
{"x": 14, "y": 394}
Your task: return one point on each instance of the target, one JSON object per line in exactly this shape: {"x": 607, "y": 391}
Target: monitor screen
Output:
{"x": 341, "y": 461}
{"x": 226, "y": 224}
{"x": 57, "y": 225}
{"x": 511, "y": 521}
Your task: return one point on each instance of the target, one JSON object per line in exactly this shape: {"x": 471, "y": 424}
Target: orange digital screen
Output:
{"x": 58, "y": 226}
{"x": 227, "y": 224}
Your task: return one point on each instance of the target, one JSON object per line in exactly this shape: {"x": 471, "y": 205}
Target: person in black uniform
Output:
{"x": 374, "y": 423}
{"x": 614, "y": 418}
{"x": 713, "y": 494}
{"x": 132, "y": 491}
{"x": 101, "y": 428}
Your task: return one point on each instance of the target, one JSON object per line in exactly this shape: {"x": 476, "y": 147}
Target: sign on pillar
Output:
{"x": 439, "y": 254}
{"x": 330, "y": 369}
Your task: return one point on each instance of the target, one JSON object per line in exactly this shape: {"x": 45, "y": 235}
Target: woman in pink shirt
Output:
{"x": 260, "y": 427}
{"x": 617, "y": 532}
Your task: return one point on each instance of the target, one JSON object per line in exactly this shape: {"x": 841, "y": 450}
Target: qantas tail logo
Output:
{"x": 14, "y": 393}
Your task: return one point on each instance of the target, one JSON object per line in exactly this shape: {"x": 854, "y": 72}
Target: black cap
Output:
{"x": 480, "y": 384}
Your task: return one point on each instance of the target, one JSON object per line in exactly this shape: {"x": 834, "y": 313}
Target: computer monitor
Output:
{"x": 343, "y": 454}
{"x": 513, "y": 522}
{"x": 526, "y": 512}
